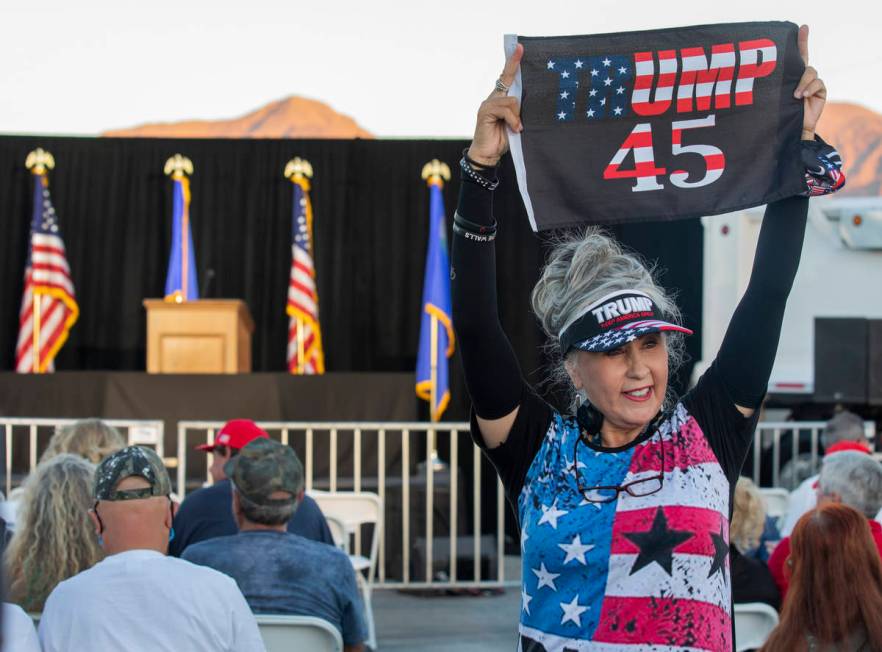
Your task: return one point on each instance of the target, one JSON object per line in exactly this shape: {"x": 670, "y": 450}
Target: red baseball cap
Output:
{"x": 235, "y": 434}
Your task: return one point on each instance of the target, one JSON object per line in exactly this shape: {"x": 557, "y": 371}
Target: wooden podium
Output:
{"x": 208, "y": 336}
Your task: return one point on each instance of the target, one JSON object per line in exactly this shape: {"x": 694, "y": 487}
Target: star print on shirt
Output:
{"x": 572, "y": 611}
{"x": 551, "y": 514}
{"x": 575, "y": 550}
{"x": 721, "y": 551}
{"x": 525, "y": 600}
{"x": 657, "y": 544}
{"x": 545, "y": 578}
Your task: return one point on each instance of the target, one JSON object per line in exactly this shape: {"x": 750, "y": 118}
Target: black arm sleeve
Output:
{"x": 748, "y": 350}
{"x": 492, "y": 373}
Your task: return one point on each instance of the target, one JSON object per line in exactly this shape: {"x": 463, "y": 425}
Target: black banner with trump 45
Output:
{"x": 660, "y": 124}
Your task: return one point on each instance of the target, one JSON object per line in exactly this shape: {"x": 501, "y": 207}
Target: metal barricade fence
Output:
{"x": 428, "y": 539}
{"x": 801, "y": 444}
{"x": 37, "y": 431}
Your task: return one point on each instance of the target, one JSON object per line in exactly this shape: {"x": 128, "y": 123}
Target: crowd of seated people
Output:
{"x": 102, "y": 553}
{"x": 90, "y": 555}
{"x": 205, "y": 513}
{"x": 844, "y": 432}
{"x": 850, "y": 478}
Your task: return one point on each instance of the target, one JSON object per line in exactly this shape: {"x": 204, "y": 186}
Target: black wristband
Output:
{"x": 485, "y": 229}
{"x": 474, "y": 237}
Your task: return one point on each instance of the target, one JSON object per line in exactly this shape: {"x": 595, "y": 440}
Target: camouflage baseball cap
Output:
{"x": 263, "y": 467}
{"x": 134, "y": 460}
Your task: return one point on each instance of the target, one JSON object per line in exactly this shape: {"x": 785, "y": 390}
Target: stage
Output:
{"x": 177, "y": 397}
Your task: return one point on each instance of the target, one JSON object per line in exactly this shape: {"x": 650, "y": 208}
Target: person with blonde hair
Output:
{"x": 91, "y": 439}
{"x": 54, "y": 538}
{"x": 751, "y": 579}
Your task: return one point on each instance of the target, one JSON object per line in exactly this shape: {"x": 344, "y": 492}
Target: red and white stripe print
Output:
{"x": 701, "y": 81}
{"x": 645, "y": 75}
{"x": 48, "y": 281}
{"x": 750, "y": 68}
{"x": 303, "y": 302}
{"x": 639, "y": 141}
{"x": 692, "y": 472}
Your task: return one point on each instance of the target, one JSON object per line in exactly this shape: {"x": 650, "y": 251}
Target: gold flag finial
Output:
{"x": 177, "y": 166}
{"x": 298, "y": 168}
{"x": 39, "y": 161}
{"x": 436, "y": 172}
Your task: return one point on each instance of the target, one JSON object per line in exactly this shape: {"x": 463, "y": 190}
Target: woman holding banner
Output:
{"x": 624, "y": 506}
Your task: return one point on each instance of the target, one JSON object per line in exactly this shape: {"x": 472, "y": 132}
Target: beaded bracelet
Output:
{"x": 475, "y": 237}
{"x": 485, "y": 229}
{"x": 478, "y": 167}
{"x": 470, "y": 174}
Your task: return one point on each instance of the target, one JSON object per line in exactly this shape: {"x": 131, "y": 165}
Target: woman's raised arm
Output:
{"x": 493, "y": 376}
{"x": 751, "y": 342}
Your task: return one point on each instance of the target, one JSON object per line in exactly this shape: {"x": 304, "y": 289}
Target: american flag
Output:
{"x": 305, "y": 354}
{"x": 48, "y": 306}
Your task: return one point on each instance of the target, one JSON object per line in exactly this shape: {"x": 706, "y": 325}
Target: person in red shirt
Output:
{"x": 851, "y": 478}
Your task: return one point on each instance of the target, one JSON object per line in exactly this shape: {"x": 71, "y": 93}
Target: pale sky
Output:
{"x": 401, "y": 69}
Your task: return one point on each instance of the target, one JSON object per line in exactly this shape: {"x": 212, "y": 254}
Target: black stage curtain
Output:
{"x": 371, "y": 223}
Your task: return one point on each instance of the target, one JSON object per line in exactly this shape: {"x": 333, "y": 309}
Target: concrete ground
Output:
{"x": 447, "y": 623}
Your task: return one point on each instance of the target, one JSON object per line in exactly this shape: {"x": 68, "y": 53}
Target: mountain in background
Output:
{"x": 291, "y": 117}
{"x": 854, "y": 130}
{"x": 857, "y": 133}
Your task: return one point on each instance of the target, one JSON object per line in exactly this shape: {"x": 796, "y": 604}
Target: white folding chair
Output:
{"x": 354, "y": 509}
{"x": 338, "y": 533}
{"x": 777, "y": 502}
{"x": 292, "y": 633}
{"x": 754, "y": 621}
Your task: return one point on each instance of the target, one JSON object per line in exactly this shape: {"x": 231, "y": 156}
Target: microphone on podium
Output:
{"x": 206, "y": 282}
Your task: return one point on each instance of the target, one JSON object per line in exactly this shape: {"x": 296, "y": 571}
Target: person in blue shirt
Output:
{"x": 279, "y": 572}
{"x": 205, "y": 513}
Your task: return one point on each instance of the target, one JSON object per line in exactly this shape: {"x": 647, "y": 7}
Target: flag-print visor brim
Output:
{"x": 616, "y": 338}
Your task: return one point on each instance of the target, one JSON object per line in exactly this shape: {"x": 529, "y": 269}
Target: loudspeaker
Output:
{"x": 874, "y": 361}
{"x": 841, "y": 360}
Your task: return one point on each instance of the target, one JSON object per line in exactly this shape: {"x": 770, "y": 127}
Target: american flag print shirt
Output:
{"x": 646, "y": 573}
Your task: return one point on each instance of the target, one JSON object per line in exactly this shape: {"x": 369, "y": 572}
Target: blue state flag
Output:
{"x": 432, "y": 382}
{"x": 180, "y": 282}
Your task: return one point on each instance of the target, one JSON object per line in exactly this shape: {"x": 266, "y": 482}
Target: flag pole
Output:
{"x": 36, "y": 347}
{"x": 301, "y": 363}
{"x": 178, "y": 167}
{"x": 434, "y": 460}
{"x": 435, "y": 173}
{"x": 433, "y": 375}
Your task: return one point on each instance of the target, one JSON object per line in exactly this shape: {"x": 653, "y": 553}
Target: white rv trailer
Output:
{"x": 840, "y": 275}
